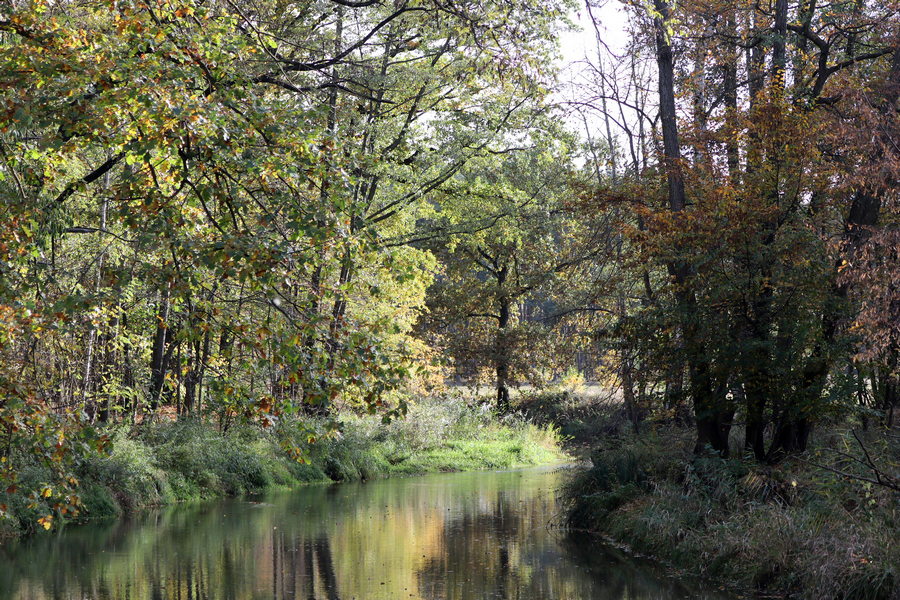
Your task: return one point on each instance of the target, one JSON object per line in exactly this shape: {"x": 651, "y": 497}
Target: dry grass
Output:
{"x": 790, "y": 530}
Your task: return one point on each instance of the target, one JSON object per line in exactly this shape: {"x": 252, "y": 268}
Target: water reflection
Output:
{"x": 448, "y": 537}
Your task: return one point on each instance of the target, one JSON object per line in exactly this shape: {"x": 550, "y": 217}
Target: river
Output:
{"x": 455, "y": 536}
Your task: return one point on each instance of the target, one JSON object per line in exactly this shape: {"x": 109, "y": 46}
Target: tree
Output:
{"x": 201, "y": 200}
{"x": 751, "y": 303}
{"x": 508, "y": 245}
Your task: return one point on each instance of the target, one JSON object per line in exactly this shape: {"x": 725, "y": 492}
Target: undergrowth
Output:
{"x": 796, "y": 529}
{"x": 450, "y": 435}
{"x": 580, "y": 419}
{"x": 167, "y": 462}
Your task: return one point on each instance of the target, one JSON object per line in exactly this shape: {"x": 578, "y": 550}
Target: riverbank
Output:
{"x": 162, "y": 463}
{"x": 816, "y": 526}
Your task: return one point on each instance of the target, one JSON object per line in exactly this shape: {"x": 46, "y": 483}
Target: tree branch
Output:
{"x": 90, "y": 177}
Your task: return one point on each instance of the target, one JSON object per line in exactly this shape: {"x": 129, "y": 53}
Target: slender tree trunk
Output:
{"x": 755, "y": 61}
{"x": 128, "y": 403}
{"x": 318, "y": 404}
{"x": 92, "y": 334}
{"x": 106, "y": 367}
{"x": 668, "y": 118}
{"x": 190, "y": 380}
{"x": 160, "y": 355}
{"x": 730, "y": 97}
{"x": 756, "y": 390}
{"x": 779, "y": 46}
{"x": 702, "y": 148}
{"x": 501, "y": 346}
{"x": 890, "y": 398}
{"x": 338, "y": 310}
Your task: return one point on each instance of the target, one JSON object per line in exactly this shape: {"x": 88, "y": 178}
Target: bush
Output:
{"x": 162, "y": 463}
{"x": 783, "y": 529}
{"x": 579, "y": 418}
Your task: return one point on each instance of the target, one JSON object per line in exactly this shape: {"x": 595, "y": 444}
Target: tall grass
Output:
{"x": 788, "y": 530}
{"x": 449, "y": 433}
{"x": 580, "y": 419}
{"x": 163, "y": 463}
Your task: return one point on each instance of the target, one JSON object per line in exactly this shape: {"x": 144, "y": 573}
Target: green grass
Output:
{"x": 445, "y": 434}
{"x": 165, "y": 463}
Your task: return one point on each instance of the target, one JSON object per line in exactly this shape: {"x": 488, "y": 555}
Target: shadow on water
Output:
{"x": 621, "y": 575}
{"x": 445, "y": 537}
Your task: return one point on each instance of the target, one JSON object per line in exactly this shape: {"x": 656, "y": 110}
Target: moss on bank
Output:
{"x": 789, "y": 530}
{"x": 169, "y": 462}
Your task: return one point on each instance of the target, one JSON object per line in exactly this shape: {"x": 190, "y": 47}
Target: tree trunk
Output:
{"x": 501, "y": 347}
{"x": 713, "y": 422}
{"x": 668, "y": 116}
{"x": 889, "y": 399}
{"x": 712, "y": 413}
{"x": 779, "y": 52}
{"x": 755, "y": 61}
{"x": 791, "y": 436}
{"x": 162, "y": 352}
{"x": 755, "y": 398}
{"x": 730, "y": 96}
{"x": 92, "y": 334}
{"x": 108, "y": 341}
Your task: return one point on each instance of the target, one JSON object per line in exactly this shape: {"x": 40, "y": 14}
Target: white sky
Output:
{"x": 577, "y": 45}
{"x": 577, "y": 82}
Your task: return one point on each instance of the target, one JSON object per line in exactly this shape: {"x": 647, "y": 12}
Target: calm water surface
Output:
{"x": 441, "y": 537}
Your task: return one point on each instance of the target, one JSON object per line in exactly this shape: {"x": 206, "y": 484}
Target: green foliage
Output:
{"x": 156, "y": 464}
{"x": 131, "y": 471}
{"x": 445, "y": 433}
{"x": 511, "y": 255}
{"x": 42, "y": 451}
{"x": 209, "y": 215}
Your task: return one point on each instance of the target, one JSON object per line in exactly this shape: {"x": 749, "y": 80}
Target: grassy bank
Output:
{"x": 168, "y": 462}
{"x": 809, "y": 527}
{"x": 581, "y": 416}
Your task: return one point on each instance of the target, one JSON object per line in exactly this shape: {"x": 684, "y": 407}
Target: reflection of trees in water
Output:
{"x": 492, "y": 555}
{"x": 182, "y": 564}
{"x": 325, "y": 564}
{"x": 239, "y": 560}
{"x": 495, "y": 546}
{"x": 480, "y": 555}
{"x": 303, "y": 565}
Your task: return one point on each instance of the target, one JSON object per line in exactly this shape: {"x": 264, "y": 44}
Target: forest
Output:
{"x": 265, "y": 213}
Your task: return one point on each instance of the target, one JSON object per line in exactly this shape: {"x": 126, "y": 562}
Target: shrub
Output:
{"x": 782, "y": 529}
{"x": 166, "y": 462}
